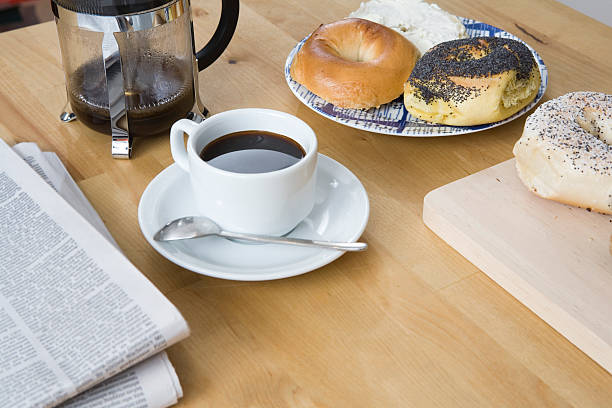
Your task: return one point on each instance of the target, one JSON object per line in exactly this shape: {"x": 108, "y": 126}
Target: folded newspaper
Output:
{"x": 80, "y": 326}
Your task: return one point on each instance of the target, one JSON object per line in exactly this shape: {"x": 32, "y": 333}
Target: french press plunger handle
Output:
{"x": 222, "y": 36}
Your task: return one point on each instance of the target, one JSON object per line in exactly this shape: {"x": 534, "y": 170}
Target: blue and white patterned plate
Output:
{"x": 393, "y": 118}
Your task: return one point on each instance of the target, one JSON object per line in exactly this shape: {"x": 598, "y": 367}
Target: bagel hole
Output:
{"x": 355, "y": 52}
{"x": 517, "y": 90}
{"x": 597, "y": 123}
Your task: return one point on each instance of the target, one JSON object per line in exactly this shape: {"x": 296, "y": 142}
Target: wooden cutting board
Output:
{"x": 553, "y": 258}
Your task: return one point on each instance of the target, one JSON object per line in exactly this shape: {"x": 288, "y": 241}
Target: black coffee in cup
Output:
{"x": 252, "y": 151}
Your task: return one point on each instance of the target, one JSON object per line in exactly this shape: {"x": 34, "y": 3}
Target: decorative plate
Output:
{"x": 392, "y": 118}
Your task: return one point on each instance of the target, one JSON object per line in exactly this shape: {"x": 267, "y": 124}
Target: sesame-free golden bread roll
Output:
{"x": 472, "y": 81}
{"x": 354, "y": 63}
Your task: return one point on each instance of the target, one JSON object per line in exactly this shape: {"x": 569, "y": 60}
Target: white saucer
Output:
{"x": 340, "y": 214}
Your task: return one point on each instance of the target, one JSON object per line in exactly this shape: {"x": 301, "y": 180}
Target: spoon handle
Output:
{"x": 342, "y": 246}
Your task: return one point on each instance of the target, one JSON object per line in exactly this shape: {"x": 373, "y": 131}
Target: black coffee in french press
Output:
{"x": 159, "y": 95}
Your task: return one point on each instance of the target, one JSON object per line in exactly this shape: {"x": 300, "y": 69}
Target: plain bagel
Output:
{"x": 472, "y": 81}
{"x": 565, "y": 152}
{"x": 355, "y": 63}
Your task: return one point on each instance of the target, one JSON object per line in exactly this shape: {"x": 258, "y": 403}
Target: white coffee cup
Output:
{"x": 261, "y": 203}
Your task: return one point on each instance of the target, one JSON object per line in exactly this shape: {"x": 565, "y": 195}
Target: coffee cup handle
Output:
{"x": 177, "y": 141}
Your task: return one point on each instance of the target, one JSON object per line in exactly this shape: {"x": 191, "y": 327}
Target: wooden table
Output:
{"x": 407, "y": 323}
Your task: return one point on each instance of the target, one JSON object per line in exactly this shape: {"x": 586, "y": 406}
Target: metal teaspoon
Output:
{"x": 199, "y": 226}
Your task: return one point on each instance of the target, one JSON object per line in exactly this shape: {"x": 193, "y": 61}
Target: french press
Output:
{"x": 131, "y": 65}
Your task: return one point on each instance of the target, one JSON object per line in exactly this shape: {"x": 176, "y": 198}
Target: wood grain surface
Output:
{"x": 552, "y": 257}
{"x": 410, "y": 322}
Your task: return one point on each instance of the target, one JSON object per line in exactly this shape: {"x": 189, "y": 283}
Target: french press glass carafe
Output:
{"x": 131, "y": 65}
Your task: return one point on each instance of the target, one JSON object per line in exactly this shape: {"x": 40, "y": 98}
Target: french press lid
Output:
{"x": 110, "y": 7}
